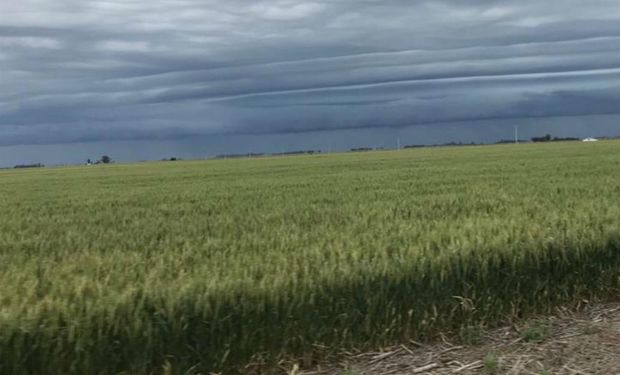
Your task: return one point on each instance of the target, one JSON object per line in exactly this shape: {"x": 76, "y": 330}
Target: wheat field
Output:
{"x": 207, "y": 266}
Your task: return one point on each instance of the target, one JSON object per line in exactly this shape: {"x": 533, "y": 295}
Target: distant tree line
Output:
{"x": 448, "y": 144}
{"x": 509, "y": 141}
{"x": 253, "y": 155}
{"x": 105, "y": 159}
{"x": 300, "y": 152}
{"x": 549, "y": 138}
{"x": 36, "y": 165}
{"x": 237, "y": 156}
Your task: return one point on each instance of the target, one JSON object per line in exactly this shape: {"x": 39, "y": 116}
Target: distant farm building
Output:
{"x": 590, "y": 140}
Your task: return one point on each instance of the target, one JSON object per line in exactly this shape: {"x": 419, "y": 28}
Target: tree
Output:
{"x": 105, "y": 159}
{"x": 546, "y": 138}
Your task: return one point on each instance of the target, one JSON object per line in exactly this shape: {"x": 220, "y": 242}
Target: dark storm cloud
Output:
{"x": 74, "y": 71}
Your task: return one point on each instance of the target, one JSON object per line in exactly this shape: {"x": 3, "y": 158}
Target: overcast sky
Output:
{"x": 144, "y": 79}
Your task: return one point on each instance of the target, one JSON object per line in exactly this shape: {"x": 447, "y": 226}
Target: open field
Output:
{"x": 191, "y": 267}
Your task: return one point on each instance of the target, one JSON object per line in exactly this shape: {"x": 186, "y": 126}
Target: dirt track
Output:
{"x": 587, "y": 342}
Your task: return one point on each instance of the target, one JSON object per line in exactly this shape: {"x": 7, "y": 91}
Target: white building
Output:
{"x": 590, "y": 140}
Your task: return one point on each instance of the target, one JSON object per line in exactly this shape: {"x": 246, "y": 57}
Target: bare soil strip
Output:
{"x": 569, "y": 343}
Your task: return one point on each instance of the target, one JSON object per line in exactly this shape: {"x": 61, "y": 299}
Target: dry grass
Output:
{"x": 583, "y": 342}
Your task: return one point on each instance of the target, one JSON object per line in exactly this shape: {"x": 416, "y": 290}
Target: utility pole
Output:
{"x": 516, "y": 134}
{"x": 398, "y": 143}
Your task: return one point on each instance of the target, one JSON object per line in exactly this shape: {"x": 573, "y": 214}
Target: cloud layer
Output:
{"x": 118, "y": 70}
